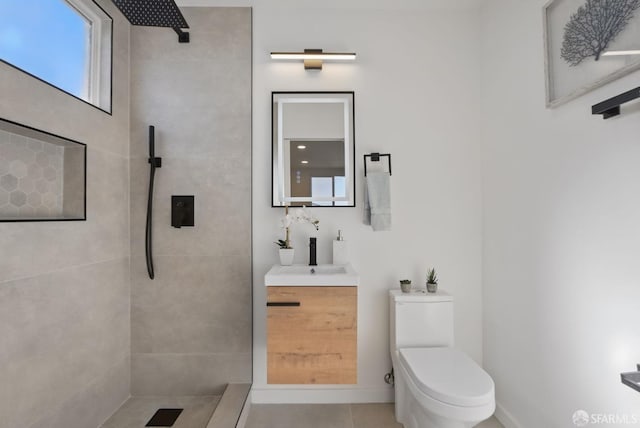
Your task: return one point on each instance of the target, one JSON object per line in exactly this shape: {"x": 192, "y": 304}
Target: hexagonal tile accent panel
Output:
{"x": 31, "y": 168}
{"x": 19, "y": 168}
{"x": 26, "y": 184}
{"x": 42, "y": 186}
{"x": 34, "y": 199}
{"x": 18, "y": 198}
{"x": 32, "y": 172}
{"x": 4, "y": 166}
{"x": 50, "y": 173}
{"x": 42, "y": 159}
{"x": 4, "y": 197}
{"x": 9, "y": 182}
{"x": 49, "y": 200}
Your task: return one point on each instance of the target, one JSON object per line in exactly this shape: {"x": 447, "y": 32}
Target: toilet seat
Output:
{"x": 448, "y": 376}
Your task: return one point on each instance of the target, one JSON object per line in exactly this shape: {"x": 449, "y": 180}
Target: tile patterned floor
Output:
{"x": 137, "y": 411}
{"x": 330, "y": 416}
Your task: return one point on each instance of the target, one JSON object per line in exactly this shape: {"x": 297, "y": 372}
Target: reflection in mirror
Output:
{"x": 313, "y": 149}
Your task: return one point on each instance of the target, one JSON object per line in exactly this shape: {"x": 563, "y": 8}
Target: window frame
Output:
{"x": 99, "y": 73}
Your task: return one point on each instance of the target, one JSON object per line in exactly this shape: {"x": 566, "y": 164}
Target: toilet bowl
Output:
{"x": 436, "y": 385}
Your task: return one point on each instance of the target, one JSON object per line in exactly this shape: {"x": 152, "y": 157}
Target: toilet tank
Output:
{"x": 420, "y": 319}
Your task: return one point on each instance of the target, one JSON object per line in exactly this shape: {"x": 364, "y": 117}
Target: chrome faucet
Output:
{"x": 312, "y": 252}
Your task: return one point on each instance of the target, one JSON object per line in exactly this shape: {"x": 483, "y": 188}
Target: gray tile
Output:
{"x": 73, "y": 187}
{"x": 66, "y": 116}
{"x": 18, "y": 198}
{"x": 492, "y": 422}
{"x": 187, "y": 374}
{"x": 219, "y": 52}
{"x": 374, "y": 415}
{"x": 104, "y": 236}
{"x": 196, "y": 314}
{"x": 230, "y": 25}
{"x": 9, "y": 182}
{"x": 378, "y": 415}
{"x": 4, "y": 165}
{"x": 299, "y": 415}
{"x": 222, "y": 206}
{"x": 18, "y": 168}
{"x": 60, "y": 332}
{"x": 137, "y": 411}
{"x": 26, "y": 184}
{"x": 194, "y": 305}
{"x": 94, "y": 404}
{"x": 64, "y": 330}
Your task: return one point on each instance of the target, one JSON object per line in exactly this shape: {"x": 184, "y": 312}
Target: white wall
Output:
{"x": 561, "y": 234}
{"x": 416, "y": 97}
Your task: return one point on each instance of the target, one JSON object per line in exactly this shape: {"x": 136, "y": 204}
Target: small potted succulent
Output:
{"x": 405, "y": 285}
{"x": 432, "y": 281}
{"x": 286, "y": 252}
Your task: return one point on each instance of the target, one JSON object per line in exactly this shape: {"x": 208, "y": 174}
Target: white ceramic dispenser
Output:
{"x": 340, "y": 256}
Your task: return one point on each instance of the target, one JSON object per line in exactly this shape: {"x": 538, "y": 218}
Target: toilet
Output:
{"x": 436, "y": 385}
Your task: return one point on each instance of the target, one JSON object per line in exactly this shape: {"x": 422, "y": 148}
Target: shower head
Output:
{"x": 154, "y": 13}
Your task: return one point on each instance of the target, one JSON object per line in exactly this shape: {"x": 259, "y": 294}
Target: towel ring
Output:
{"x": 375, "y": 157}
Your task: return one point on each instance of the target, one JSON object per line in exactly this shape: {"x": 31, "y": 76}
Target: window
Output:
{"x": 66, "y": 43}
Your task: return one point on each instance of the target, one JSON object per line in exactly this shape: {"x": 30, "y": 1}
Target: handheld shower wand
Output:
{"x": 155, "y": 163}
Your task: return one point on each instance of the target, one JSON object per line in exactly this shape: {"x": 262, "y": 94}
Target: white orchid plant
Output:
{"x": 300, "y": 215}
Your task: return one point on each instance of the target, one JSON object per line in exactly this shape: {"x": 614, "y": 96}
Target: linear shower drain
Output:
{"x": 164, "y": 418}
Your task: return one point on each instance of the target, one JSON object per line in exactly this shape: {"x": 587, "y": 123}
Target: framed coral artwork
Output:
{"x": 588, "y": 43}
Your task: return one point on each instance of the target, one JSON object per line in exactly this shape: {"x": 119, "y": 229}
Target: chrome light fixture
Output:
{"x": 313, "y": 57}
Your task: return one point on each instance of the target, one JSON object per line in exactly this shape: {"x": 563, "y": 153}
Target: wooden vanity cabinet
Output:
{"x": 312, "y": 335}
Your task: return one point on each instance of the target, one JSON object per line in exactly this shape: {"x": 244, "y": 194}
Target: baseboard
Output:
{"x": 505, "y": 417}
{"x": 320, "y": 395}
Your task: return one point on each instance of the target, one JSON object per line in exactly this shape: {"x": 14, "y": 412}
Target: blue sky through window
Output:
{"x": 49, "y": 39}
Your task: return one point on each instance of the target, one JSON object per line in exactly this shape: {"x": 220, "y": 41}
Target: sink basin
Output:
{"x": 321, "y": 275}
{"x": 310, "y": 270}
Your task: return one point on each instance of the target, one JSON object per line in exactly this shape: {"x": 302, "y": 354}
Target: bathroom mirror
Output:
{"x": 313, "y": 149}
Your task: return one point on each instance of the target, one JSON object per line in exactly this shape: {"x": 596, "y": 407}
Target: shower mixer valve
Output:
{"x": 182, "y": 211}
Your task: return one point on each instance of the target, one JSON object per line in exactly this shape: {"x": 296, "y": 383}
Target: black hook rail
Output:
{"x": 375, "y": 157}
{"x": 611, "y": 107}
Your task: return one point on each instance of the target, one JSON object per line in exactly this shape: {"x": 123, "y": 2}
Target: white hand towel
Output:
{"x": 377, "y": 201}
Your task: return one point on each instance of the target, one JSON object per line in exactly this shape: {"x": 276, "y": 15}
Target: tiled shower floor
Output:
{"x": 330, "y": 416}
{"x": 136, "y": 411}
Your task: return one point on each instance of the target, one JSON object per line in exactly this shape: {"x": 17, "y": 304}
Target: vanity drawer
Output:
{"x": 312, "y": 335}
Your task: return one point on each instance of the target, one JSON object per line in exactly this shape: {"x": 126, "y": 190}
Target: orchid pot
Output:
{"x": 286, "y": 256}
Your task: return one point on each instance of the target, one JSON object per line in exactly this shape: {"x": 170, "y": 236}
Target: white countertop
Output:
{"x": 312, "y": 276}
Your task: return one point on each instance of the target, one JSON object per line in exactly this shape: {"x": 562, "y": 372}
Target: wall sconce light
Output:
{"x": 313, "y": 57}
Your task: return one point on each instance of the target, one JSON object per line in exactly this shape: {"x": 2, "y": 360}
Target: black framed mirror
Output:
{"x": 313, "y": 149}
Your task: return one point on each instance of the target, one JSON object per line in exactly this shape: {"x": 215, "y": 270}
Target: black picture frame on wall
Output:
{"x": 28, "y": 175}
